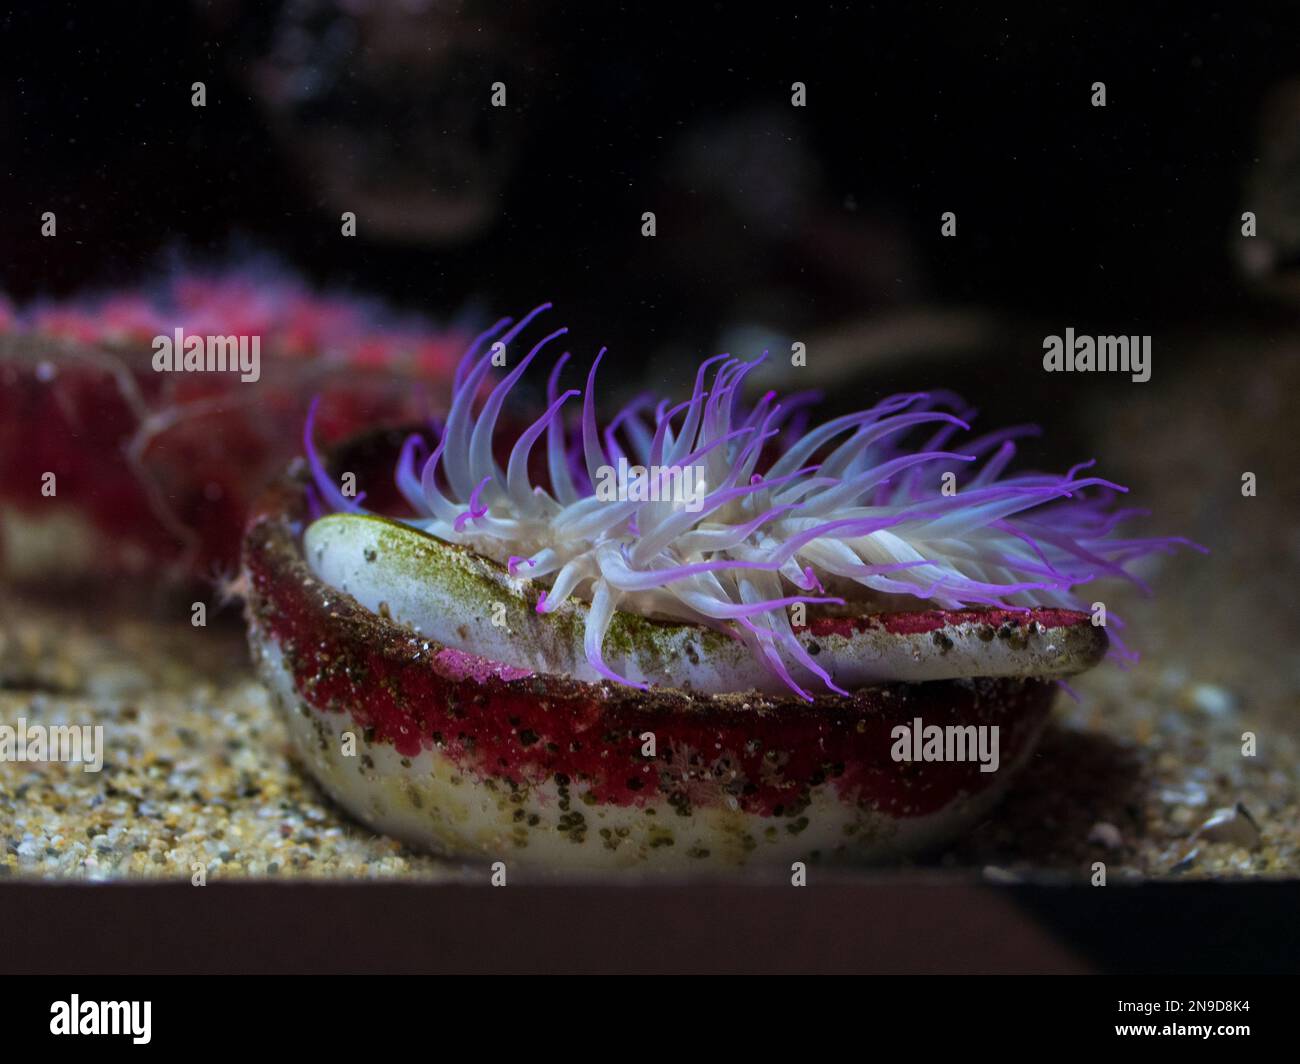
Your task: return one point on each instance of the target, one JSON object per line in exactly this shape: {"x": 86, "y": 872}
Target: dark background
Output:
{"x": 1062, "y": 208}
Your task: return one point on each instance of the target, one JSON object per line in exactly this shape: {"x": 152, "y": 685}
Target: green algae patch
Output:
{"x": 401, "y": 571}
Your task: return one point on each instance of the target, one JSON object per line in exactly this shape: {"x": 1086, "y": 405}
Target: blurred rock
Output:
{"x": 1213, "y": 700}
{"x": 1104, "y": 834}
{"x": 1235, "y": 825}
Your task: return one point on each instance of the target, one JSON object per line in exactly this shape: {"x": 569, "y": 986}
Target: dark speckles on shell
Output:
{"x": 1016, "y": 635}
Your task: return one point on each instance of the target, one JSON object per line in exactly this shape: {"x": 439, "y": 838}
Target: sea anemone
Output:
{"x": 782, "y": 519}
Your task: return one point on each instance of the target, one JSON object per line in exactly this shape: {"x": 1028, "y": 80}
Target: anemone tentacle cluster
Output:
{"x": 843, "y": 504}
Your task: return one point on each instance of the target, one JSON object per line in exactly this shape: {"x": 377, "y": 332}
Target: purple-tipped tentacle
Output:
{"x": 695, "y": 407}
{"x": 517, "y": 484}
{"x": 329, "y": 491}
{"x": 557, "y": 452}
{"x": 476, "y": 507}
{"x": 408, "y": 481}
{"x": 603, "y": 602}
{"x": 481, "y": 461}
{"x": 591, "y": 448}
{"x": 471, "y": 353}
